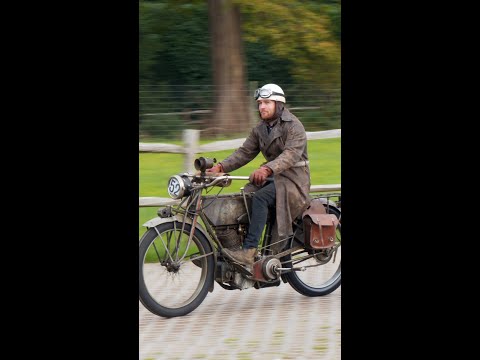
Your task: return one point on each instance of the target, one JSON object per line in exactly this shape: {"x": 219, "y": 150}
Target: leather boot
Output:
{"x": 243, "y": 256}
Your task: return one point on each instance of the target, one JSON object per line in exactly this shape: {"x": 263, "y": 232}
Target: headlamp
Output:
{"x": 179, "y": 186}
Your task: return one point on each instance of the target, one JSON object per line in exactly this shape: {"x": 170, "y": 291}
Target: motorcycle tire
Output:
{"x": 316, "y": 280}
{"x": 173, "y": 281}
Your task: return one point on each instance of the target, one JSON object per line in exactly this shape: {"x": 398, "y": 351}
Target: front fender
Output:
{"x": 158, "y": 220}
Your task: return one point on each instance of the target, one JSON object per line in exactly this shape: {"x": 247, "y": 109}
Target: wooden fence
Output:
{"x": 191, "y": 147}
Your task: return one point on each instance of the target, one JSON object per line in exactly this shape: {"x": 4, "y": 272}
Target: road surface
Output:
{"x": 266, "y": 324}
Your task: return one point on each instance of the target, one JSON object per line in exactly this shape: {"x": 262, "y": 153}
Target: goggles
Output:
{"x": 265, "y": 93}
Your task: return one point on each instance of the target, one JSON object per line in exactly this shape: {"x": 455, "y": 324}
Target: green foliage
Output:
{"x": 287, "y": 42}
{"x": 150, "y": 33}
{"x": 300, "y": 31}
{"x": 263, "y": 66}
{"x": 325, "y": 118}
{"x": 174, "y": 50}
{"x": 174, "y": 42}
{"x": 332, "y": 9}
{"x": 289, "y": 39}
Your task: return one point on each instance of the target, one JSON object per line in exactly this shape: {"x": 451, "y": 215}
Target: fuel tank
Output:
{"x": 227, "y": 209}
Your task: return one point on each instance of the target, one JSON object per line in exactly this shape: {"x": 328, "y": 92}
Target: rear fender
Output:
{"x": 331, "y": 204}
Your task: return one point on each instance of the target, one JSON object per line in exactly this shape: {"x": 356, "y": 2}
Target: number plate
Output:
{"x": 176, "y": 187}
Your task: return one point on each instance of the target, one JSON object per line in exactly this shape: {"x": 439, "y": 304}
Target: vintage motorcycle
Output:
{"x": 180, "y": 254}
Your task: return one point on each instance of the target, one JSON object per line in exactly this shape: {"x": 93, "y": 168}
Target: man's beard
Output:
{"x": 278, "y": 111}
{"x": 269, "y": 118}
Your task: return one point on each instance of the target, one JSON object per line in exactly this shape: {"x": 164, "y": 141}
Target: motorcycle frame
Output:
{"x": 195, "y": 198}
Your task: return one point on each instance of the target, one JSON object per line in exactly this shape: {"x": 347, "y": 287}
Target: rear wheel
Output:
{"x": 174, "y": 276}
{"x": 323, "y": 267}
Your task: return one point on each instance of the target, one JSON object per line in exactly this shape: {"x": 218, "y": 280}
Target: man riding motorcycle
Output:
{"x": 281, "y": 138}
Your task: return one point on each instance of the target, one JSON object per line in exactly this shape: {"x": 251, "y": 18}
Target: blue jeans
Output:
{"x": 262, "y": 199}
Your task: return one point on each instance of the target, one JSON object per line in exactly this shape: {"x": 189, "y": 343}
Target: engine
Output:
{"x": 228, "y": 216}
{"x": 231, "y": 238}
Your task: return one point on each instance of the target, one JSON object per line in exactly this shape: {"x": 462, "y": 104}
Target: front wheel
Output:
{"x": 322, "y": 273}
{"x": 174, "y": 275}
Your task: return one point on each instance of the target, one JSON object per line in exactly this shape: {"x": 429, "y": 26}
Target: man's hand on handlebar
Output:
{"x": 259, "y": 176}
{"x": 216, "y": 169}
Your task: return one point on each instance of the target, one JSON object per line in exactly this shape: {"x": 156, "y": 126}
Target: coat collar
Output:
{"x": 286, "y": 115}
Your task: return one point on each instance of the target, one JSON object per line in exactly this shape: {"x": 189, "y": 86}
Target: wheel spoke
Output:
{"x": 176, "y": 287}
{"x": 164, "y": 246}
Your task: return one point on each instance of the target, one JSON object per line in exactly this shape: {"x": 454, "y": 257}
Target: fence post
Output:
{"x": 190, "y": 143}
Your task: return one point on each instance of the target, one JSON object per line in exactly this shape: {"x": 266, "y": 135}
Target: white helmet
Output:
{"x": 270, "y": 91}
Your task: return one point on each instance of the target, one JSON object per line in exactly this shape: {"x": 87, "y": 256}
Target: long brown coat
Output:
{"x": 284, "y": 146}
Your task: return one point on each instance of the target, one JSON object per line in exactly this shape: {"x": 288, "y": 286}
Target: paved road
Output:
{"x": 234, "y": 325}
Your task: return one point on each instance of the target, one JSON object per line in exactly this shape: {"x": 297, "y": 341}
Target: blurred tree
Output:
{"x": 231, "y": 112}
{"x": 217, "y": 41}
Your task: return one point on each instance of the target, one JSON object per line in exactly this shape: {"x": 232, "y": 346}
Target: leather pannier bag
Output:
{"x": 320, "y": 228}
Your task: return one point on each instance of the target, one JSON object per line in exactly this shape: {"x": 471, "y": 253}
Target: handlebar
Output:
{"x": 226, "y": 178}
{"x": 230, "y": 177}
